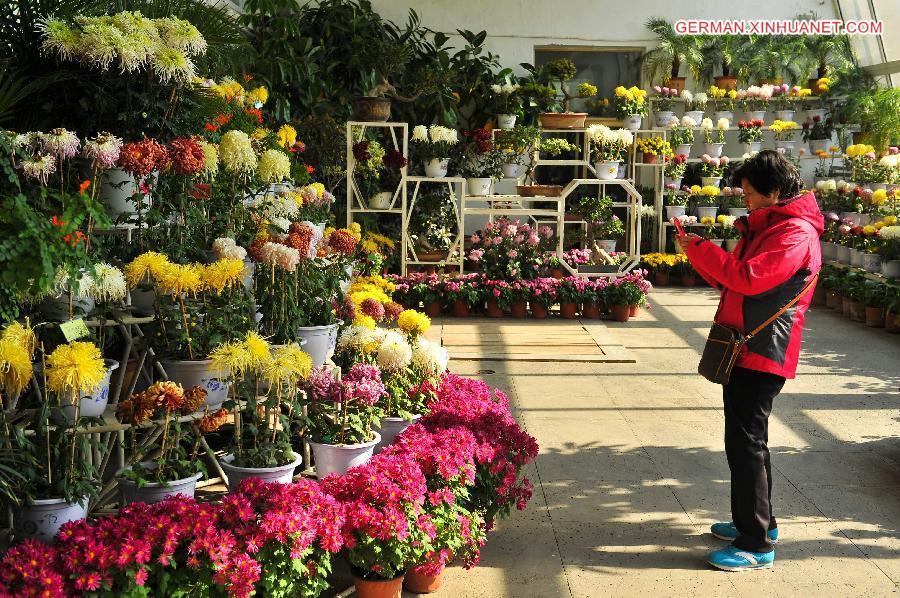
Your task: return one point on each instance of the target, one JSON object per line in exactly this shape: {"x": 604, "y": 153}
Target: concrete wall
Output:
{"x": 515, "y": 27}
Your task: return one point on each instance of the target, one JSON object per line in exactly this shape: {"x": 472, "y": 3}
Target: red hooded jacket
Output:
{"x": 775, "y": 258}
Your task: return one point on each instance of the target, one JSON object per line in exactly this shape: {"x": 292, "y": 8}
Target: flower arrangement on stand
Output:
{"x": 479, "y": 161}
{"x": 653, "y": 148}
{"x": 507, "y": 103}
{"x": 681, "y": 134}
{"x": 379, "y": 172}
{"x": 784, "y": 135}
{"x": 723, "y": 100}
{"x": 664, "y": 97}
{"x": 509, "y": 249}
{"x": 631, "y": 106}
{"x": 714, "y": 137}
{"x": 608, "y": 149}
{"x": 604, "y": 228}
{"x": 707, "y": 200}
{"x": 734, "y": 201}
{"x": 694, "y": 104}
{"x": 514, "y": 145}
{"x": 674, "y": 170}
{"x": 433, "y": 146}
{"x": 750, "y": 135}
{"x": 755, "y": 100}
{"x": 712, "y": 169}
{"x": 863, "y": 163}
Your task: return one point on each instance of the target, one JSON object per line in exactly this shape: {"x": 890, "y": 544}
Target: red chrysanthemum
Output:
{"x": 373, "y": 308}
{"x": 187, "y": 156}
{"x": 341, "y": 241}
{"x": 143, "y": 157}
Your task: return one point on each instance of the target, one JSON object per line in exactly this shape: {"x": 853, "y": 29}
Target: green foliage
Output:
{"x": 290, "y": 300}
{"x": 433, "y": 223}
{"x": 665, "y": 60}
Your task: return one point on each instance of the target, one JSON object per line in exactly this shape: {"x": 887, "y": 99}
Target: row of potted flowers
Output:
{"x": 427, "y": 498}
{"x": 850, "y": 292}
{"x": 477, "y": 293}
{"x": 874, "y": 247}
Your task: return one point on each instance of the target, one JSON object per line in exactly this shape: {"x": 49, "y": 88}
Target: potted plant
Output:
{"x": 559, "y": 72}
{"x": 712, "y": 169}
{"x": 686, "y": 272}
{"x": 603, "y": 226}
{"x": 660, "y": 265}
{"x": 722, "y": 51}
{"x": 480, "y": 162}
{"x": 707, "y": 201}
{"x": 653, "y": 147}
{"x": 674, "y": 170}
{"x": 608, "y": 149}
{"x": 543, "y": 296}
{"x": 681, "y": 135}
{"x": 755, "y": 100}
{"x": 723, "y": 101}
{"x": 889, "y": 250}
{"x": 433, "y": 146}
{"x": 784, "y": 135}
{"x": 817, "y": 132}
{"x": 694, "y": 105}
{"x": 514, "y": 145}
{"x": 624, "y": 294}
{"x": 663, "y": 63}
{"x": 631, "y": 106}
{"x": 341, "y": 415}
{"x": 875, "y": 297}
{"x": 714, "y": 137}
{"x": 730, "y": 234}
{"x": 734, "y": 201}
{"x": 379, "y": 172}
{"x": 570, "y": 292}
{"x": 750, "y": 135}
{"x": 676, "y": 201}
{"x": 463, "y": 293}
{"x": 594, "y": 299}
{"x": 664, "y": 98}
{"x": 892, "y": 310}
{"x": 267, "y": 380}
{"x": 507, "y": 103}
{"x": 552, "y": 146}
{"x": 381, "y": 59}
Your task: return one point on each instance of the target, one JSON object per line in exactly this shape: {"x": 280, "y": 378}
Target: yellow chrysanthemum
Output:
{"x": 296, "y": 196}
{"x": 150, "y": 263}
{"x": 695, "y": 189}
{"x": 413, "y": 323}
{"x": 21, "y": 335}
{"x": 890, "y": 220}
{"x": 732, "y": 94}
{"x": 232, "y": 358}
{"x": 319, "y": 189}
{"x": 707, "y": 221}
{"x": 289, "y": 363}
{"x": 258, "y": 348}
{"x": 287, "y": 136}
{"x": 273, "y": 166}
{"x": 879, "y": 197}
{"x": 222, "y": 274}
{"x": 259, "y": 133}
{"x": 879, "y": 225}
{"x": 75, "y": 368}
{"x": 363, "y": 320}
{"x": 180, "y": 278}
{"x": 210, "y": 157}
{"x": 869, "y": 230}
{"x": 709, "y": 191}
{"x": 369, "y": 246}
{"x": 260, "y": 96}
{"x": 15, "y": 366}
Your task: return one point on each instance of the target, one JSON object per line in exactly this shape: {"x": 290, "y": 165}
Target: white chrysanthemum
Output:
{"x": 674, "y": 122}
{"x": 723, "y": 124}
{"x": 282, "y": 224}
{"x": 355, "y": 338}
{"x": 273, "y": 167}
{"x": 236, "y": 152}
{"x": 844, "y": 185}
{"x": 700, "y": 99}
{"x": 420, "y": 133}
{"x": 173, "y": 65}
{"x": 109, "y": 284}
{"x": 221, "y": 244}
{"x": 626, "y": 137}
{"x": 61, "y": 143}
{"x": 496, "y": 88}
{"x": 39, "y": 167}
{"x": 509, "y": 88}
{"x": 687, "y": 96}
{"x": 182, "y": 35}
{"x": 394, "y": 353}
{"x": 688, "y": 122}
{"x": 430, "y": 358}
{"x": 62, "y": 283}
{"x": 890, "y": 233}
{"x": 830, "y": 185}
{"x": 103, "y": 150}
{"x": 706, "y": 124}
{"x": 134, "y": 52}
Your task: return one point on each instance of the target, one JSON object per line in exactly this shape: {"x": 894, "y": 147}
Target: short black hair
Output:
{"x": 769, "y": 171}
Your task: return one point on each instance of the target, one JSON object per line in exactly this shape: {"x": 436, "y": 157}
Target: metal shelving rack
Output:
{"x": 456, "y": 253}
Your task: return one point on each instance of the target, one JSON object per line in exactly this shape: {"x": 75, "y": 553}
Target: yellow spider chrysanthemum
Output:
{"x": 259, "y": 133}
{"x": 222, "y": 274}
{"x": 287, "y": 136}
{"x": 232, "y": 358}
{"x": 260, "y": 96}
{"x": 150, "y": 264}
{"x": 413, "y": 323}
{"x": 21, "y": 335}
{"x": 15, "y": 366}
{"x": 75, "y": 368}
{"x": 180, "y": 278}
{"x": 289, "y": 363}
{"x": 258, "y": 348}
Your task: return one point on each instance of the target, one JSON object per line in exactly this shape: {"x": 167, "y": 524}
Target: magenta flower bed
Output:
{"x": 267, "y": 535}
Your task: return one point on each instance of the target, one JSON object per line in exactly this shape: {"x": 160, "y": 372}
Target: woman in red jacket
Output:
{"x": 775, "y": 259}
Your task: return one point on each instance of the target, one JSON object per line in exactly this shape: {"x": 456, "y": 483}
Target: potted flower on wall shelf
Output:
{"x": 608, "y": 149}
{"x": 664, "y": 97}
{"x": 433, "y": 146}
{"x": 750, "y": 135}
{"x": 817, "y": 132}
{"x": 652, "y": 148}
{"x": 507, "y": 103}
{"x": 631, "y": 106}
{"x": 675, "y": 201}
{"x": 681, "y": 134}
{"x": 480, "y": 162}
{"x": 723, "y": 101}
{"x": 694, "y": 104}
{"x": 784, "y": 135}
{"x": 559, "y": 72}
{"x": 379, "y": 172}
{"x": 707, "y": 200}
{"x": 714, "y": 137}
{"x": 551, "y": 147}
{"x": 514, "y": 145}
{"x": 712, "y": 170}
{"x": 674, "y": 170}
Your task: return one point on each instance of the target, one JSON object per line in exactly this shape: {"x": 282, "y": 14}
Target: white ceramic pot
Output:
{"x": 510, "y": 171}
{"x": 719, "y": 114}
{"x": 506, "y": 121}
{"x": 633, "y": 122}
{"x": 381, "y": 201}
{"x": 857, "y": 257}
{"x": 877, "y": 186}
{"x": 143, "y": 302}
{"x": 333, "y": 458}
{"x": 437, "y": 168}
{"x": 731, "y": 244}
{"x": 718, "y": 242}
{"x": 320, "y": 342}
{"x": 755, "y": 115}
{"x": 816, "y": 145}
{"x": 57, "y": 308}
{"x": 842, "y": 254}
{"x": 784, "y": 115}
{"x": 706, "y": 212}
{"x": 814, "y": 112}
{"x": 713, "y": 181}
{"x": 116, "y": 192}
{"x": 891, "y": 269}
{"x": 94, "y": 404}
{"x": 199, "y": 373}
{"x": 606, "y": 171}
{"x": 829, "y": 250}
{"x": 478, "y": 187}
{"x": 737, "y": 212}
{"x": 670, "y": 181}
{"x": 787, "y": 146}
{"x": 391, "y": 427}
{"x": 153, "y": 492}
{"x": 283, "y": 474}
{"x": 607, "y": 245}
{"x": 663, "y": 117}
{"x": 697, "y": 115}
{"x": 752, "y": 147}
{"x": 683, "y": 149}
{"x": 42, "y": 518}
{"x": 871, "y": 262}
{"x": 713, "y": 149}
{"x": 674, "y": 211}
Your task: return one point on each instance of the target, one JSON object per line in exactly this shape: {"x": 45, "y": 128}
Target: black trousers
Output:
{"x": 748, "y": 402}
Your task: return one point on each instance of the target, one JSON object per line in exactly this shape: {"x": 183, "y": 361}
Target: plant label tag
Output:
{"x": 73, "y": 329}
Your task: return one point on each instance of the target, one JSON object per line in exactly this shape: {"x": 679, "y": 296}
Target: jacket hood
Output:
{"x": 802, "y": 206}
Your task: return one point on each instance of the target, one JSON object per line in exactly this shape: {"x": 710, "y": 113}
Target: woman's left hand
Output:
{"x": 688, "y": 238}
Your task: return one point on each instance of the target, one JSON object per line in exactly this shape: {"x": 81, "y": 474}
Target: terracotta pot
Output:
{"x": 857, "y": 311}
{"x": 418, "y": 583}
{"x": 892, "y": 322}
{"x": 539, "y": 190}
{"x": 433, "y": 309}
{"x": 688, "y": 280}
{"x": 539, "y": 311}
{"x": 557, "y": 274}
{"x": 649, "y": 158}
{"x": 493, "y": 309}
{"x": 590, "y": 310}
{"x": 621, "y": 313}
{"x": 568, "y": 310}
{"x": 519, "y": 309}
{"x": 661, "y": 279}
{"x": 371, "y": 109}
{"x": 845, "y": 306}
{"x": 874, "y": 317}
{"x": 676, "y": 83}
{"x": 460, "y": 309}
{"x": 819, "y": 296}
{"x": 563, "y": 120}
{"x": 634, "y": 310}
{"x": 832, "y": 299}
{"x": 726, "y": 83}
{"x": 378, "y": 588}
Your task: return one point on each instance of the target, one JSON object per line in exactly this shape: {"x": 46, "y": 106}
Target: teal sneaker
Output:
{"x": 727, "y": 531}
{"x": 731, "y": 558}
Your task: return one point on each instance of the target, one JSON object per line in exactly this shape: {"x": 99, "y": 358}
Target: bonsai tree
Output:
{"x": 379, "y": 61}
{"x": 559, "y": 72}
{"x": 664, "y": 61}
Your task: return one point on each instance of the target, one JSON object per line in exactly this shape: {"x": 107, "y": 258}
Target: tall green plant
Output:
{"x": 674, "y": 50}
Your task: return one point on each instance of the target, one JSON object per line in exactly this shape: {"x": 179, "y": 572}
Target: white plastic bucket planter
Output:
{"x": 633, "y": 122}
{"x": 663, "y": 117}
{"x": 706, "y": 212}
{"x": 752, "y": 147}
{"x": 116, "y": 191}
{"x": 871, "y": 262}
{"x": 381, "y": 201}
{"x": 391, "y": 427}
{"x": 506, "y": 121}
{"x": 670, "y": 181}
{"x": 510, "y": 171}
{"x": 829, "y": 250}
{"x": 282, "y": 474}
{"x": 787, "y": 146}
{"x": 737, "y": 212}
{"x": 720, "y": 115}
{"x": 711, "y": 181}
{"x": 437, "y": 168}
{"x": 843, "y": 254}
{"x": 684, "y": 149}
{"x": 755, "y": 115}
{"x": 606, "y": 171}
{"x": 199, "y": 373}
{"x": 713, "y": 149}
{"x": 674, "y": 211}
{"x": 697, "y": 115}
{"x": 891, "y": 269}
{"x": 784, "y": 115}
{"x": 479, "y": 186}
{"x": 153, "y": 492}
{"x": 42, "y": 518}
{"x": 320, "y": 342}
{"x": 731, "y": 244}
{"x": 333, "y": 458}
